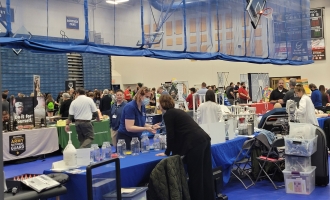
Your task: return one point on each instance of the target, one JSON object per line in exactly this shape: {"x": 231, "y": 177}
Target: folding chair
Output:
{"x": 262, "y": 161}
{"x": 245, "y": 161}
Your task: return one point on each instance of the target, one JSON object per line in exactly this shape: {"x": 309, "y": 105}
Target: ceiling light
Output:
{"x": 116, "y": 1}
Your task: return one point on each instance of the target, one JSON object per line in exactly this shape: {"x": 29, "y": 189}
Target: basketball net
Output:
{"x": 268, "y": 13}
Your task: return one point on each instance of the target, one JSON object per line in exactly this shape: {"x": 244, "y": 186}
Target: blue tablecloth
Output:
{"x": 321, "y": 121}
{"x": 135, "y": 169}
{"x": 224, "y": 155}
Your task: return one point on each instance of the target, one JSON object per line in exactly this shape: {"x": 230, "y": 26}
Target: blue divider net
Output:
{"x": 167, "y": 18}
{"x": 193, "y": 29}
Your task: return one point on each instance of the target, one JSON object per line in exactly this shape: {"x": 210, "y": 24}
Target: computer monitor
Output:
{"x": 255, "y": 9}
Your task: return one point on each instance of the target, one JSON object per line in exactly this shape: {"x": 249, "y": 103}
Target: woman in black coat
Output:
{"x": 186, "y": 138}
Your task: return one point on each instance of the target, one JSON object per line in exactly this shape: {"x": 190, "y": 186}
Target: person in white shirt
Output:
{"x": 209, "y": 112}
{"x": 82, "y": 109}
{"x": 306, "y": 111}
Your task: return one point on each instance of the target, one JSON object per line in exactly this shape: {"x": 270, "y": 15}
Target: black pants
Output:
{"x": 243, "y": 101}
{"x": 199, "y": 167}
{"x": 127, "y": 139}
{"x": 106, "y": 112}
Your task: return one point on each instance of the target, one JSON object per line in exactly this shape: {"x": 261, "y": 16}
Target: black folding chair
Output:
{"x": 237, "y": 169}
{"x": 278, "y": 162}
{"x": 89, "y": 176}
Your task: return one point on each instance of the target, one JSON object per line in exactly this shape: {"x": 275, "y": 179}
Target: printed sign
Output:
{"x": 70, "y": 84}
{"x": 316, "y": 21}
{"x": 3, "y": 14}
{"x": 23, "y": 112}
{"x": 299, "y": 48}
{"x": 318, "y": 49}
{"x": 17, "y": 144}
{"x": 72, "y": 23}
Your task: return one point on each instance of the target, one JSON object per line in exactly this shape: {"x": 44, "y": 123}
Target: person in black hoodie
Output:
{"x": 186, "y": 138}
{"x": 105, "y": 104}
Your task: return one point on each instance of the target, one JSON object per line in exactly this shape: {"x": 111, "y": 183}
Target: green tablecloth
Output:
{"x": 101, "y": 134}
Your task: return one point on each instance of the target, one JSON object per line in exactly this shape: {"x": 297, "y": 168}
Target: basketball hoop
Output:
{"x": 268, "y": 13}
{"x": 150, "y": 39}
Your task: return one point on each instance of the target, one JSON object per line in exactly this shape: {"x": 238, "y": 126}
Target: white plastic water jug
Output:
{"x": 70, "y": 154}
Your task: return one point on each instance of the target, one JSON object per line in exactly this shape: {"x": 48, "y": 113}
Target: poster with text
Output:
{"x": 23, "y": 112}
{"x": 318, "y": 49}
{"x": 316, "y": 21}
{"x": 17, "y": 144}
{"x": 72, "y": 23}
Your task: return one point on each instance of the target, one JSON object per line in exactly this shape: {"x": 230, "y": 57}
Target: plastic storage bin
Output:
{"x": 138, "y": 194}
{"x": 299, "y": 182}
{"x": 297, "y": 163}
{"x": 300, "y": 147}
{"x": 302, "y": 130}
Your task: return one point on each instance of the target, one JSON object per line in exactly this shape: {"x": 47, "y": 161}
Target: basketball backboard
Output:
{"x": 255, "y": 9}
{"x": 150, "y": 39}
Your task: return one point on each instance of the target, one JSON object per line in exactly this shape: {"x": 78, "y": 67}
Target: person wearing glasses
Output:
{"x": 133, "y": 118}
{"x": 115, "y": 115}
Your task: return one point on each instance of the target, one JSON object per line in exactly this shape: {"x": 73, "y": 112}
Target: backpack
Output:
{"x": 50, "y": 105}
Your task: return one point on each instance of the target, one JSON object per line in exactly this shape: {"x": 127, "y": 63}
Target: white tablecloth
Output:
{"x": 37, "y": 142}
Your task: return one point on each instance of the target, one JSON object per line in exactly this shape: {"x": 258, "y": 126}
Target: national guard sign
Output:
{"x": 17, "y": 144}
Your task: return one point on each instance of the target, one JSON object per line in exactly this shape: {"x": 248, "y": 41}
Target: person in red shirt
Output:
{"x": 127, "y": 93}
{"x": 190, "y": 99}
{"x": 243, "y": 94}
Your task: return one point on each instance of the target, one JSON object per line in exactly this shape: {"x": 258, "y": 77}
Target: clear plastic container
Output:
{"x": 299, "y": 182}
{"x": 300, "y": 147}
{"x": 302, "y": 130}
{"x": 162, "y": 142}
{"x": 297, "y": 163}
{"x": 121, "y": 148}
{"x": 97, "y": 154}
{"x": 104, "y": 151}
{"x": 135, "y": 146}
{"x": 145, "y": 144}
{"x": 156, "y": 143}
{"x": 109, "y": 150}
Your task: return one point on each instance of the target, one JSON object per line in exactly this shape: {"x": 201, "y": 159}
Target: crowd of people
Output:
{"x": 127, "y": 114}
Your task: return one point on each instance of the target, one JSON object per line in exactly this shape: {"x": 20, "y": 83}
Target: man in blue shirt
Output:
{"x": 115, "y": 115}
{"x": 316, "y": 96}
{"x": 203, "y": 90}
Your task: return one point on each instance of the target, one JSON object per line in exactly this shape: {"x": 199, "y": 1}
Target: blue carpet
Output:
{"x": 234, "y": 189}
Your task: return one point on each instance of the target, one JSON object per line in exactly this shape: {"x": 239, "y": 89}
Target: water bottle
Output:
{"x": 109, "y": 150}
{"x": 92, "y": 154}
{"x": 121, "y": 148}
{"x": 156, "y": 142}
{"x": 145, "y": 144}
{"x": 97, "y": 154}
{"x": 104, "y": 151}
{"x": 135, "y": 146}
{"x": 162, "y": 142}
